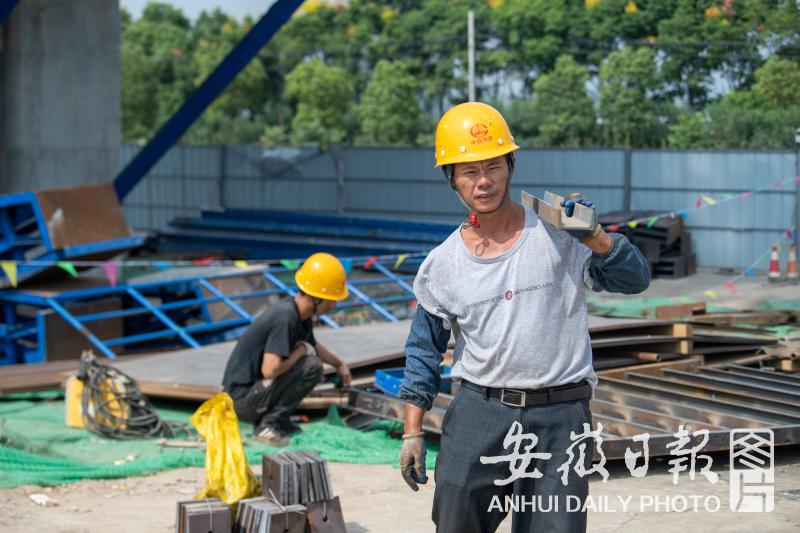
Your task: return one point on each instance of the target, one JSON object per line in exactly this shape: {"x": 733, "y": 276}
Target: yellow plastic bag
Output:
{"x": 228, "y": 477}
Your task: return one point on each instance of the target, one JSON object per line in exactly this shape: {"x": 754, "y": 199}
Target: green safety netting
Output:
{"x": 37, "y": 448}
{"x": 638, "y": 307}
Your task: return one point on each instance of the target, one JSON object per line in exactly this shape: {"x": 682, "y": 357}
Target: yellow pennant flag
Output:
{"x": 10, "y": 270}
{"x": 633, "y": 223}
{"x": 241, "y": 263}
{"x": 709, "y": 200}
{"x": 711, "y": 294}
{"x": 400, "y": 259}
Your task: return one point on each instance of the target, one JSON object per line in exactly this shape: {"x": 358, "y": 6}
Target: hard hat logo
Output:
{"x": 478, "y": 130}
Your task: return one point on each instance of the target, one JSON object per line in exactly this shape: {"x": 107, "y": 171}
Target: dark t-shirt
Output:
{"x": 276, "y": 330}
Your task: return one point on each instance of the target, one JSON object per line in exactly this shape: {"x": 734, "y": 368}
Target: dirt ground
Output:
{"x": 374, "y": 499}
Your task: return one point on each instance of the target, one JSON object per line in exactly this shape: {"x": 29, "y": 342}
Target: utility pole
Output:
{"x": 797, "y": 185}
{"x": 471, "y": 53}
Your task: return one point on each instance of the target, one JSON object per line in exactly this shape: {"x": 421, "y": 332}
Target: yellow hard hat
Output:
{"x": 322, "y": 276}
{"x": 472, "y": 132}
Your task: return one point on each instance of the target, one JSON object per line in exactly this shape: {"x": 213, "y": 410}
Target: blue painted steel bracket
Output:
{"x": 158, "y": 313}
{"x": 6, "y": 7}
{"x": 211, "y": 88}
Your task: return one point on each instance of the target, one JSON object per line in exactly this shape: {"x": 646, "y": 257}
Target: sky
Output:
{"x": 192, "y": 8}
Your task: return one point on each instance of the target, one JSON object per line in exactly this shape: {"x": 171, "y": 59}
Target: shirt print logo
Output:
{"x": 508, "y": 295}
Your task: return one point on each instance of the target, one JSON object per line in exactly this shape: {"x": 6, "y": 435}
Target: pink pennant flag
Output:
{"x": 613, "y": 228}
{"x": 699, "y": 202}
{"x": 730, "y": 286}
{"x": 797, "y": 180}
{"x": 111, "y": 272}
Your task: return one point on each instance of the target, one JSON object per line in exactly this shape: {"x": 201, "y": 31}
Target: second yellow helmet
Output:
{"x": 322, "y": 276}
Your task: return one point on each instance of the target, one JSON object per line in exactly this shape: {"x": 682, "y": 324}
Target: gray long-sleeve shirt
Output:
{"x": 519, "y": 319}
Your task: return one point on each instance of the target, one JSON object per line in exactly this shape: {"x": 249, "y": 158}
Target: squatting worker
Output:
{"x": 511, "y": 290}
{"x": 276, "y": 362}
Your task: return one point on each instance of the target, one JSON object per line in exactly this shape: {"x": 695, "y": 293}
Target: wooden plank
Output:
{"x": 765, "y": 318}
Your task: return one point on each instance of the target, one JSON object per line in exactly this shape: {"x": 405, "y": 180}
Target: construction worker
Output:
{"x": 277, "y": 361}
{"x": 511, "y": 289}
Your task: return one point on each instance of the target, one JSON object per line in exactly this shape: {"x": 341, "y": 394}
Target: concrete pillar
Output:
{"x": 59, "y": 94}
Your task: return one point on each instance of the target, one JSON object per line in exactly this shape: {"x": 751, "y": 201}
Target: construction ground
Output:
{"x": 147, "y": 502}
{"x": 129, "y": 272}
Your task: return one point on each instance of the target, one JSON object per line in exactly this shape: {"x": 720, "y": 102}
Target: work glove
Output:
{"x": 412, "y": 459}
{"x": 568, "y": 203}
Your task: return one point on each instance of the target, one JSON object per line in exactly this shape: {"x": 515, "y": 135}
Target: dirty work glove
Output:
{"x": 568, "y": 203}
{"x": 412, "y": 459}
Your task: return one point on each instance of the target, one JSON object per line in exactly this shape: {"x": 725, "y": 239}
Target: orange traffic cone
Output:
{"x": 791, "y": 265}
{"x": 774, "y": 266}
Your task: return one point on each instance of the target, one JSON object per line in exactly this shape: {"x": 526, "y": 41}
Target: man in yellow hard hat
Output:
{"x": 511, "y": 290}
{"x": 277, "y": 361}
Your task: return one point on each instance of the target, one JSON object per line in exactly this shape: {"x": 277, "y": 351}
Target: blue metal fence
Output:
{"x": 402, "y": 183}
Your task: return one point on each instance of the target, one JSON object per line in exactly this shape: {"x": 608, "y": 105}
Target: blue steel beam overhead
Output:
{"x": 6, "y": 7}
{"x": 211, "y": 88}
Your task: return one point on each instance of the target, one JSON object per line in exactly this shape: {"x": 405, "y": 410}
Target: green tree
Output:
{"x": 778, "y": 83}
{"x": 628, "y": 108}
{"x": 323, "y": 95}
{"x": 389, "y": 110}
{"x": 705, "y": 41}
{"x": 157, "y": 68}
{"x": 764, "y": 117}
{"x": 237, "y": 114}
{"x": 531, "y": 35}
{"x": 564, "y": 111}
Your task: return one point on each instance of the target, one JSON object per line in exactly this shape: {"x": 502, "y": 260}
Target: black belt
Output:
{"x": 530, "y": 397}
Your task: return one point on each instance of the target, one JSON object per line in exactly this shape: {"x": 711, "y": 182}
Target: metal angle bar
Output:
{"x": 732, "y": 387}
{"x": 164, "y": 318}
{"x": 209, "y": 90}
{"x": 66, "y": 315}
{"x": 219, "y": 294}
{"x": 753, "y": 380}
{"x": 638, "y": 415}
{"x": 390, "y": 407}
{"x": 674, "y": 407}
{"x": 786, "y": 378}
{"x": 725, "y": 405}
{"x": 281, "y": 285}
{"x": 389, "y": 274}
{"x": 372, "y": 303}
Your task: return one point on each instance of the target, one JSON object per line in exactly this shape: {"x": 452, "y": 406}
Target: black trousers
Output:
{"x": 467, "y": 500}
{"x": 273, "y": 404}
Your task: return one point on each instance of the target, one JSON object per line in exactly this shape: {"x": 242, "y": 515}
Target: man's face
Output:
{"x": 325, "y": 306}
{"x": 482, "y": 184}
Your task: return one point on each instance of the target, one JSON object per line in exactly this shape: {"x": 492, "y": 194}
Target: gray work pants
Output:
{"x": 476, "y": 425}
{"x": 273, "y": 404}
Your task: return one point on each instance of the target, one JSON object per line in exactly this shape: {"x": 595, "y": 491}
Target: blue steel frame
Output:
{"x": 6, "y": 7}
{"x": 186, "y": 320}
{"x": 209, "y": 90}
{"x": 24, "y": 237}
